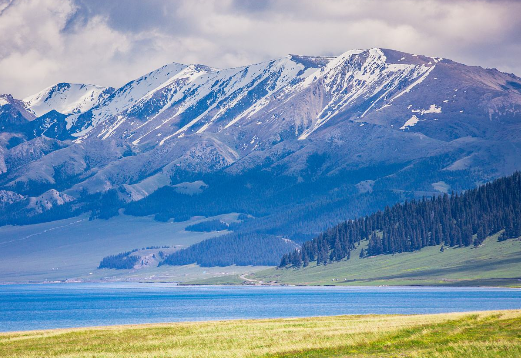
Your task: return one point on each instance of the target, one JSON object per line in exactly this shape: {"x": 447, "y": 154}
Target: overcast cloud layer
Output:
{"x": 43, "y": 42}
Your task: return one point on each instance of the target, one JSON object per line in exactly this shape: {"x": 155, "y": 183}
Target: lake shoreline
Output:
{"x": 181, "y": 284}
{"x": 355, "y": 283}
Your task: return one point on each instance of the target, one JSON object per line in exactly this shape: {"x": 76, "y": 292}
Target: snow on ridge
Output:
{"x": 66, "y": 98}
{"x": 234, "y": 85}
{"x": 183, "y": 79}
{"x": 291, "y": 70}
{"x": 189, "y": 73}
{"x": 347, "y": 82}
{"x": 129, "y": 94}
{"x": 415, "y": 83}
{"x": 134, "y": 90}
{"x": 198, "y": 80}
{"x": 207, "y": 95}
{"x": 9, "y": 197}
{"x": 230, "y": 87}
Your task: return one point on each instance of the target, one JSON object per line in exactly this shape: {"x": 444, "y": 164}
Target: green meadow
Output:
{"x": 492, "y": 264}
{"x": 480, "y": 334}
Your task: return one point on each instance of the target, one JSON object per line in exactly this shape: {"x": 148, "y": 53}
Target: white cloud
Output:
{"x": 108, "y": 43}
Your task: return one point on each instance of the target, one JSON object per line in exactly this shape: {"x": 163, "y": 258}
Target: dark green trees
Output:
{"x": 122, "y": 261}
{"x": 236, "y": 249}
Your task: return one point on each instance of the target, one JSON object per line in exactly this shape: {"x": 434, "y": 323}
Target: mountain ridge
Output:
{"x": 299, "y": 142}
{"x": 66, "y": 98}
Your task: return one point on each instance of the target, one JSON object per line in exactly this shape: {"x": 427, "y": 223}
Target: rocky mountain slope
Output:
{"x": 299, "y": 142}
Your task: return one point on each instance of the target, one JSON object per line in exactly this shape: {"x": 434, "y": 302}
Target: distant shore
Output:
{"x": 496, "y": 283}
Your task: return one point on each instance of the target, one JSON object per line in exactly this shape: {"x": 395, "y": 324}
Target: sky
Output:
{"x": 110, "y": 42}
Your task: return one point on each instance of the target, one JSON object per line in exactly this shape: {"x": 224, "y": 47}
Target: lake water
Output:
{"x": 29, "y": 307}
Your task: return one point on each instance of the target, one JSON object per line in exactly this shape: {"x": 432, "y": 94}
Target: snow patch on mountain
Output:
{"x": 441, "y": 186}
{"x": 432, "y": 109}
{"x": 411, "y": 122}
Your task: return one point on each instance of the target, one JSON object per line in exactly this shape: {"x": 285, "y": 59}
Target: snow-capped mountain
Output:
{"x": 179, "y": 100}
{"x": 67, "y": 98}
{"x": 372, "y": 86}
{"x": 191, "y": 99}
{"x": 366, "y": 124}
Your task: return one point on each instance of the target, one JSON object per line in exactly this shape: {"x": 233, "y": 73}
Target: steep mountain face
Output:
{"x": 178, "y": 100}
{"x": 300, "y": 142}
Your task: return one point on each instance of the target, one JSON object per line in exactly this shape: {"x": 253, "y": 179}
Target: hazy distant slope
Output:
{"x": 71, "y": 248}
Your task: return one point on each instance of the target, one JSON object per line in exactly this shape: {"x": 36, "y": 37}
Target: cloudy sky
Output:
{"x": 110, "y": 42}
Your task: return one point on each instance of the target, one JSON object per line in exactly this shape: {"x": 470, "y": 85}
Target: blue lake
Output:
{"x": 29, "y": 307}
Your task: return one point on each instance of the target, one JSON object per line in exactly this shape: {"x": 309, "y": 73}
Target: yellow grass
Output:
{"x": 487, "y": 334}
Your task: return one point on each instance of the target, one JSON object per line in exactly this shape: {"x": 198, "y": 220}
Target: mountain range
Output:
{"x": 298, "y": 143}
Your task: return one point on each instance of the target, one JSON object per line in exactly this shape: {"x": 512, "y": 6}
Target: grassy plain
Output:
{"x": 492, "y": 264}
{"x": 481, "y": 334}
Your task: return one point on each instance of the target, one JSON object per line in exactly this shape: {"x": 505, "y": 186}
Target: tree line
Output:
{"x": 121, "y": 261}
{"x": 233, "y": 249}
{"x": 208, "y": 226}
{"x": 457, "y": 220}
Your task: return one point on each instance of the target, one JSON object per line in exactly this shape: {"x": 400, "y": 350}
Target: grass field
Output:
{"x": 481, "y": 334}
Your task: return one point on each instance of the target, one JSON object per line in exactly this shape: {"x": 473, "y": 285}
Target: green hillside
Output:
{"x": 491, "y": 264}
{"x": 458, "y": 220}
